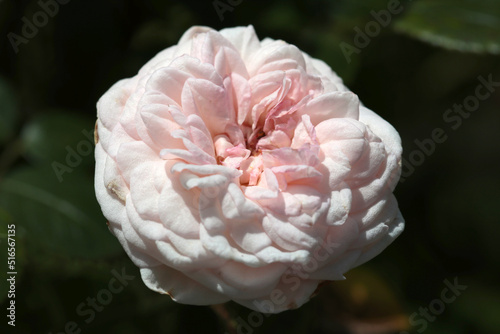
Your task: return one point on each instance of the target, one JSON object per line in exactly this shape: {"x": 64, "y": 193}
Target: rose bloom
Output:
{"x": 236, "y": 169}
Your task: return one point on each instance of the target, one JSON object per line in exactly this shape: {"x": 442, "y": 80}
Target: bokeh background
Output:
{"x": 426, "y": 59}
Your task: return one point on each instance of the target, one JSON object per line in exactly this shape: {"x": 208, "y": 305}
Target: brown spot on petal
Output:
{"x": 291, "y": 306}
{"x": 117, "y": 189}
{"x": 220, "y": 160}
{"x": 96, "y": 135}
{"x": 168, "y": 293}
{"x": 110, "y": 229}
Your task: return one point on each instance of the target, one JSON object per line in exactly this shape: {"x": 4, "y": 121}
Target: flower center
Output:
{"x": 246, "y": 158}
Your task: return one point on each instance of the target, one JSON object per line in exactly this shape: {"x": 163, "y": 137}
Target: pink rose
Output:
{"x": 236, "y": 169}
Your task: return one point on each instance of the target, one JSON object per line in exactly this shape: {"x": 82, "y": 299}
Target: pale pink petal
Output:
{"x": 244, "y": 39}
{"x": 331, "y": 105}
{"x": 179, "y": 287}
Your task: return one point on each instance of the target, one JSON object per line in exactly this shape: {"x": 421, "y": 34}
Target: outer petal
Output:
{"x": 179, "y": 287}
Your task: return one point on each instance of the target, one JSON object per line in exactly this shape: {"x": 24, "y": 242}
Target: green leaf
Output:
{"x": 60, "y": 137}
{"x": 359, "y": 10}
{"x": 158, "y": 34}
{"x": 8, "y": 111}
{"x": 479, "y": 305}
{"x": 463, "y": 25}
{"x": 60, "y": 217}
{"x": 345, "y": 67}
{"x": 277, "y": 16}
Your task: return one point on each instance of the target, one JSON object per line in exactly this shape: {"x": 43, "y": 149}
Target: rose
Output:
{"x": 236, "y": 169}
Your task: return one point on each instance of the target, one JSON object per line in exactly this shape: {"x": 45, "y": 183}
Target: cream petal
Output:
{"x": 111, "y": 206}
{"x": 228, "y": 62}
{"x": 251, "y": 281}
{"x": 137, "y": 255}
{"x": 132, "y": 154}
{"x": 382, "y": 129}
{"x": 210, "y": 102}
{"x": 179, "y": 287}
{"x": 379, "y": 212}
{"x": 160, "y": 126}
{"x": 331, "y": 105}
{"x": 288, "y": 236}
{"x": 196, "y": 69}
{"x": 110, "y": 106}
{"x": 285, "y": 296}
{"x": 395, "y": 229}
{"x": 275, "y": 50}
{"x": 167, "y": 81}
{"x": 237, "y": 280}
{"x": 244, "y": 39}
{"x": 242, "y": 97}
{"x": 340, "y": 206}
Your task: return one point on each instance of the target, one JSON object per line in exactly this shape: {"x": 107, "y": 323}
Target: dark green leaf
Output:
{"x": 329, "y": 50}
{"x": 8, "y": 111}
{"x": 480, "y": 306}
{"x": 61, "y": 217}
{"x": 464, "y": 25}
{"x": 59, "y": 137}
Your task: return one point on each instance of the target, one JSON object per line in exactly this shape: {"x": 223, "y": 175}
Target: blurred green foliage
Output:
{"x": 8, "y": 111}
{"x": 424, "y": 61}
{"x": 463, "y": 25}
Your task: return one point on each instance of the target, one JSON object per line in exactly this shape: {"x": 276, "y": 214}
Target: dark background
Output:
{"x": 412, "y": 71}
